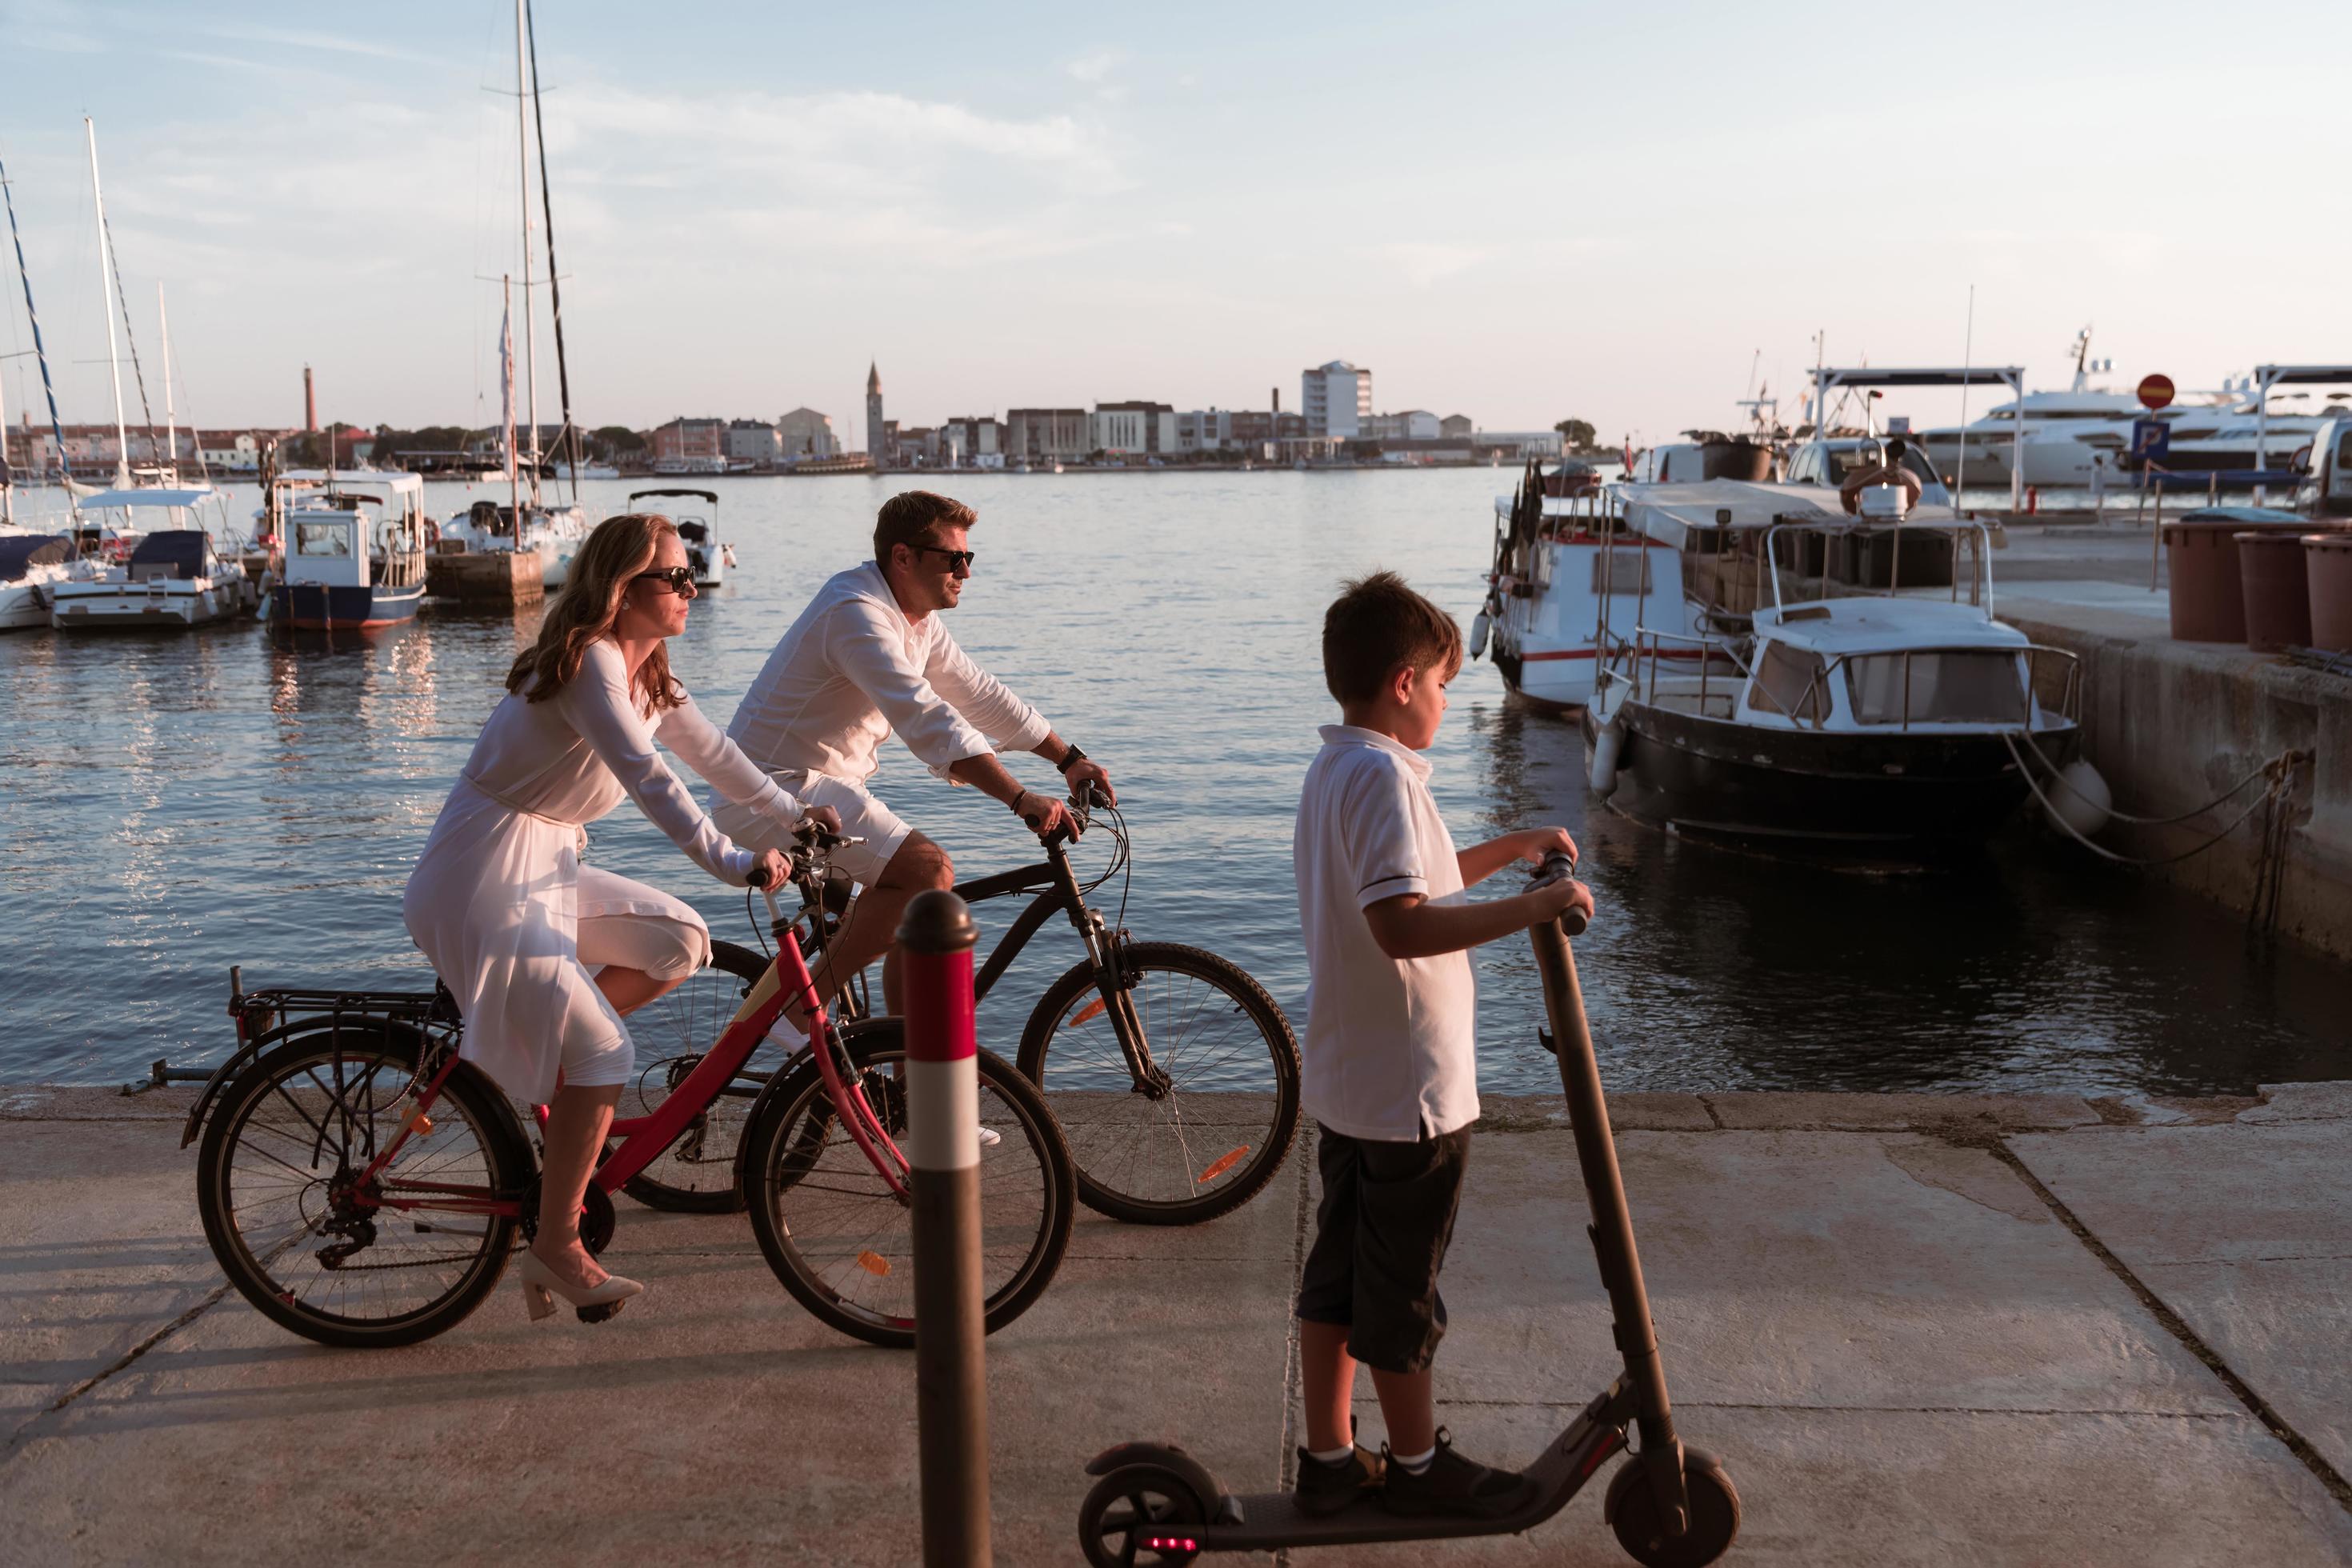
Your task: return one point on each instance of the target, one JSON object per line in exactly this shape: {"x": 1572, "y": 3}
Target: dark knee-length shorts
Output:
{"x": 1381, "y": 1235}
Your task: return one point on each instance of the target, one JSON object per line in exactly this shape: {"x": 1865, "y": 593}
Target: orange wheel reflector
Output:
{"x": 1222, "y": 1167}
{"x": 1091, "y": 1011}
{"x": 873, "y": 1263}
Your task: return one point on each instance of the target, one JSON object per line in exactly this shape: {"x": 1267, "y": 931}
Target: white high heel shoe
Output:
{"x": 542, "y": 1285}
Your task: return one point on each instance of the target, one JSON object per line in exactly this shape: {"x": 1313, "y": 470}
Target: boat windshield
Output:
{"x": 1845, "y": 462}
{"x": 1946, "y": 686}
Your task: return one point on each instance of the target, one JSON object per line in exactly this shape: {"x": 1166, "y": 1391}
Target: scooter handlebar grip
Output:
{"x": 1572, "y": 921}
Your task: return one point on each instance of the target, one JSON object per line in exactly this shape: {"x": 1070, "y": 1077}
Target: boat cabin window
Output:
{"x": 1789, "y": 681}
{"x": 2343, "y": 451}
{"x": 1622, "y": 571}
{"x": 322, "y": 539}
{"x": 1948, "y": 687}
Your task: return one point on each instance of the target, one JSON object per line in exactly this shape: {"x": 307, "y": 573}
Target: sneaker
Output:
{"x": 1328, "y": 1489}
{"x": 1454, "y": 1486}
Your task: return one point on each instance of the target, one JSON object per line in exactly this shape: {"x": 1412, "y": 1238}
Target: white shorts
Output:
{"x": 627, "y": 923}
{"x": 862, "y": 816}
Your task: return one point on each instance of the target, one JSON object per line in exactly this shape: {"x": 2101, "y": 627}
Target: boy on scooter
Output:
{"x": 1388, "y": 1060}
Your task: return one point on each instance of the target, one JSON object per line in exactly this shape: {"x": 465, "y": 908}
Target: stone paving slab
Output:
{"x": 2245, "y": 1231}
{"x": 1988, "y": 1113}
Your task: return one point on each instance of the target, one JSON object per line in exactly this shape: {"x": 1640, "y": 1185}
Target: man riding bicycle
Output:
{"x": 869, "y": 656}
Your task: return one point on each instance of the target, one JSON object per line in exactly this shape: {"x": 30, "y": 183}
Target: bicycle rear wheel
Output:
{"x": 1211, "y": 1128}
{"x": 841, "y": 1241}
{"x": 275, "y": 1188}
{"x": 696, "y": 1174}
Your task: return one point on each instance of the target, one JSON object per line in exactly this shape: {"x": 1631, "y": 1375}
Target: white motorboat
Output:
{"x": 705, "y": 551}
{"x": 1886, "y": 722}
{"x": 564, "y": 470}
{"x": 1556, "y": 582}
{"x": 553, "y": 533}
{"x": 31, "y": 566}
{"x": 175, "y": 577}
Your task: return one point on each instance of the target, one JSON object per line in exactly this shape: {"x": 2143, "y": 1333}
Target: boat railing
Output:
{"x": 1978, "y": 538}
{"x": 1639, "y": 656}
{"x": 1813, "y": 703}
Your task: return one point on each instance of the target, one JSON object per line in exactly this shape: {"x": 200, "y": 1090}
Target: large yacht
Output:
{"x": 2064, "y": 433}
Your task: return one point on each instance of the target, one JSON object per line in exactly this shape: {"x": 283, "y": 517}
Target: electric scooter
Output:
{"x": 1671, "y": 1507}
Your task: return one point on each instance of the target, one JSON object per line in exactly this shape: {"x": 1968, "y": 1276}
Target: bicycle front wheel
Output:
{"x": 841, "y": 1241}
{"x": 1210, "y": 1128}
{"x": 277, "y": 1187}
{"x": 696, "y": 1174}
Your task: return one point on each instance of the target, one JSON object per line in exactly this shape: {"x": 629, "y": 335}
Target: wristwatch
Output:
{"x": 1070, "y": 759}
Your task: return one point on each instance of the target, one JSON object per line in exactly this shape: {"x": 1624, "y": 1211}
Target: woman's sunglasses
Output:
{"x": 679, "y": 578}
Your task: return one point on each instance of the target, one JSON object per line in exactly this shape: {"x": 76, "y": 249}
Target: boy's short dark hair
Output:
{"x": 1378, "y": 624}
{"x": 908, "y": 517}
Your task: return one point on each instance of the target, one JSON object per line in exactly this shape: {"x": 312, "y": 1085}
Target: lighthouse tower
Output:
{"x": 878, "y": 435}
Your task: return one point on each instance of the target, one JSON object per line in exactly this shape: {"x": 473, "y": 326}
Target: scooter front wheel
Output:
{"x": 1140, "y": 1514}
{"x": 1641, "y": 1525}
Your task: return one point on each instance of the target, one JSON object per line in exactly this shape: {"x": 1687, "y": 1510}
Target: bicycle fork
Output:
{"x": 1105, "y": 953}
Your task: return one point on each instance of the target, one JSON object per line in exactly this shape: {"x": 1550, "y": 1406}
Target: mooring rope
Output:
{"x": 2280, "y": 769}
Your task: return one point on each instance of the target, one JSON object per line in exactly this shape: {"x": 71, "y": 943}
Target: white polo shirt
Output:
{"x": 1391, "y": 1045}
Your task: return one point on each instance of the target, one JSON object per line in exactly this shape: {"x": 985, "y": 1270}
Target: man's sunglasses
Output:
{"x": 957, "y": 558}
{"x": 679, "y": 578}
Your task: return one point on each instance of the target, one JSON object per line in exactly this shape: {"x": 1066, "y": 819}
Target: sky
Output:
{"x": 1627, "y": 213}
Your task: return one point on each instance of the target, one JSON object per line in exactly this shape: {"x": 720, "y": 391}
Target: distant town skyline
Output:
{"x": 1517, "y": 213}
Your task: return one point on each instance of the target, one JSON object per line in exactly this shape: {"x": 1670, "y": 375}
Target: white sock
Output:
{"x": 1331, "y": 1456}
{"x": 1414, "y": 1464}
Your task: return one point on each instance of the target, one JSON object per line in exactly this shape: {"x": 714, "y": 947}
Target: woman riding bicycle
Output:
{"x": 546, "y": 956}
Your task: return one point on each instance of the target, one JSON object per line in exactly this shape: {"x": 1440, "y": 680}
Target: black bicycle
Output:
{"x": 1174, "y": 1075}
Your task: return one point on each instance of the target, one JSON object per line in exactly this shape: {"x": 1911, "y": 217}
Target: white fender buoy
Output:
{"x": 2079, "y": 799}
{"x": 1607, "y": 741}
{"x": 1478, "y": 634}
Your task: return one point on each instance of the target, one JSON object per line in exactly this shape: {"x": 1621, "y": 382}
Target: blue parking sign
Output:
{"x": 2151, "y": 441}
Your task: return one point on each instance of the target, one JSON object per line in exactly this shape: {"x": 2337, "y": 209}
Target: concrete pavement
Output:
{"x": 1915, "y": 1328}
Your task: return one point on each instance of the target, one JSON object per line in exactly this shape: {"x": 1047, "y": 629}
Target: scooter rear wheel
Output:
{"x": 1137, "y": 1515}
{"x": 1641, "y": 1525}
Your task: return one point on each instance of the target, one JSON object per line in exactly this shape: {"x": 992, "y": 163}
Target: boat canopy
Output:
{"x": 185, "y": 496}
{"x": 1668, "y": 513}
{"x": 709, "y": 497}
{"x": 397, "y": 483}
{"x": 178, "y": 552}
{"x": 20, "y": 553}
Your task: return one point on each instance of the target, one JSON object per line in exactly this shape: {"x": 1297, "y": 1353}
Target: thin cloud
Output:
{"x": 1097, "y": 64}
{"x": 1424, "y": 263}
{"x": 331, "y": 43}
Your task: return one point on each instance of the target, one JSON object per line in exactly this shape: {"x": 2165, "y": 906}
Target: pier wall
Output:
{"x": 2170, "y": 725}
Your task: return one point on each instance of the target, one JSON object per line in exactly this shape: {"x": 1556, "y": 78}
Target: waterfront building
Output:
{"x": 689, "y": 447}
{"x": 805, "y": 432}
{"x": 1204, "y": 430}
{"x": 915, "y": 446}
{"x": 1337, "y": 399}
{"x": 1513, "y": 445}
{"x": 1414, "y": 425}
{"x": 1133, "y": 429}
{"x": 878, "y": 431}
{"x": 1047, "y": 434}
{"x": 972, "y": 440}
{"x": 1457, "y": 428}
{"x": 752, "y": 443}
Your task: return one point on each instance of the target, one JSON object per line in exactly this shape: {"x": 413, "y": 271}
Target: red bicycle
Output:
{"x": 362, "y": 1185}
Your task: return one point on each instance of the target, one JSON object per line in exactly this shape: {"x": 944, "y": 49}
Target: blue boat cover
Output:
{"x": 178, "y": 552}
{"x": 19, "y": 552}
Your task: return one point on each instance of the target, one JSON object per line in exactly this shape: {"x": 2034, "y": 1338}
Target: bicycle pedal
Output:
{"x": 603, "y": 1312}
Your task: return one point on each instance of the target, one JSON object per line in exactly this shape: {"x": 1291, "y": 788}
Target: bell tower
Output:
{"x": 877, "y": 440}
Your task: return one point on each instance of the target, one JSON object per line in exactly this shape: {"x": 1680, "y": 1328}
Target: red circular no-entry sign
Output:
{"x": 2155, "y": 390}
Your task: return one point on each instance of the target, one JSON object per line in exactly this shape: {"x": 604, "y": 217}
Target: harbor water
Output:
{"x": 177, "y": 803}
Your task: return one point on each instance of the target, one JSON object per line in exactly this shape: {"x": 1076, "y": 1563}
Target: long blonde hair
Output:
{"x": 619, "y": 548}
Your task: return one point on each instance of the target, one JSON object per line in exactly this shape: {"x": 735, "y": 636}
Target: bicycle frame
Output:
{"x": 644, "y": 1138}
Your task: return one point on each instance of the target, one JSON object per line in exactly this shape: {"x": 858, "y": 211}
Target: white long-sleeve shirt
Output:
{"x": 853, "y": 668}
{"x": 574, "y": 757}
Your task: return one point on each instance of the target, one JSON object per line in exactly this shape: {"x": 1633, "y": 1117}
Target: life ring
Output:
{"x": 1851, "y": 488}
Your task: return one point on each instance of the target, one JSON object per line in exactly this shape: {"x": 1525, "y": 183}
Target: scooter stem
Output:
{"x": 1613, "y": 1222}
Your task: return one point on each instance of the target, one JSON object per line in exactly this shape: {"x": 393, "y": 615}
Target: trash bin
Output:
{"x": 2273, "y": 589}
{"x": 2328, "y": 571}
{"x": 2208, "y": 602}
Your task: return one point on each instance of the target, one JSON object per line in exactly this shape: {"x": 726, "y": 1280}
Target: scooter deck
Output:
{"x": 1267, "y": 1520}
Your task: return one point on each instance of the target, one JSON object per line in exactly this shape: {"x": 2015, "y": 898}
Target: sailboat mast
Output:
{"x": 570, "y": 435}
{"x": 171, "y": 415}
{"x": 25, "y": 277}
{"x": 106, "y": 293}
{"x": 506, "y": 392}
{"x": 529, "y": 332}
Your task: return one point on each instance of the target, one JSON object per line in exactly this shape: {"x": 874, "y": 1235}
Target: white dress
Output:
{"x": 497, "y": 897}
